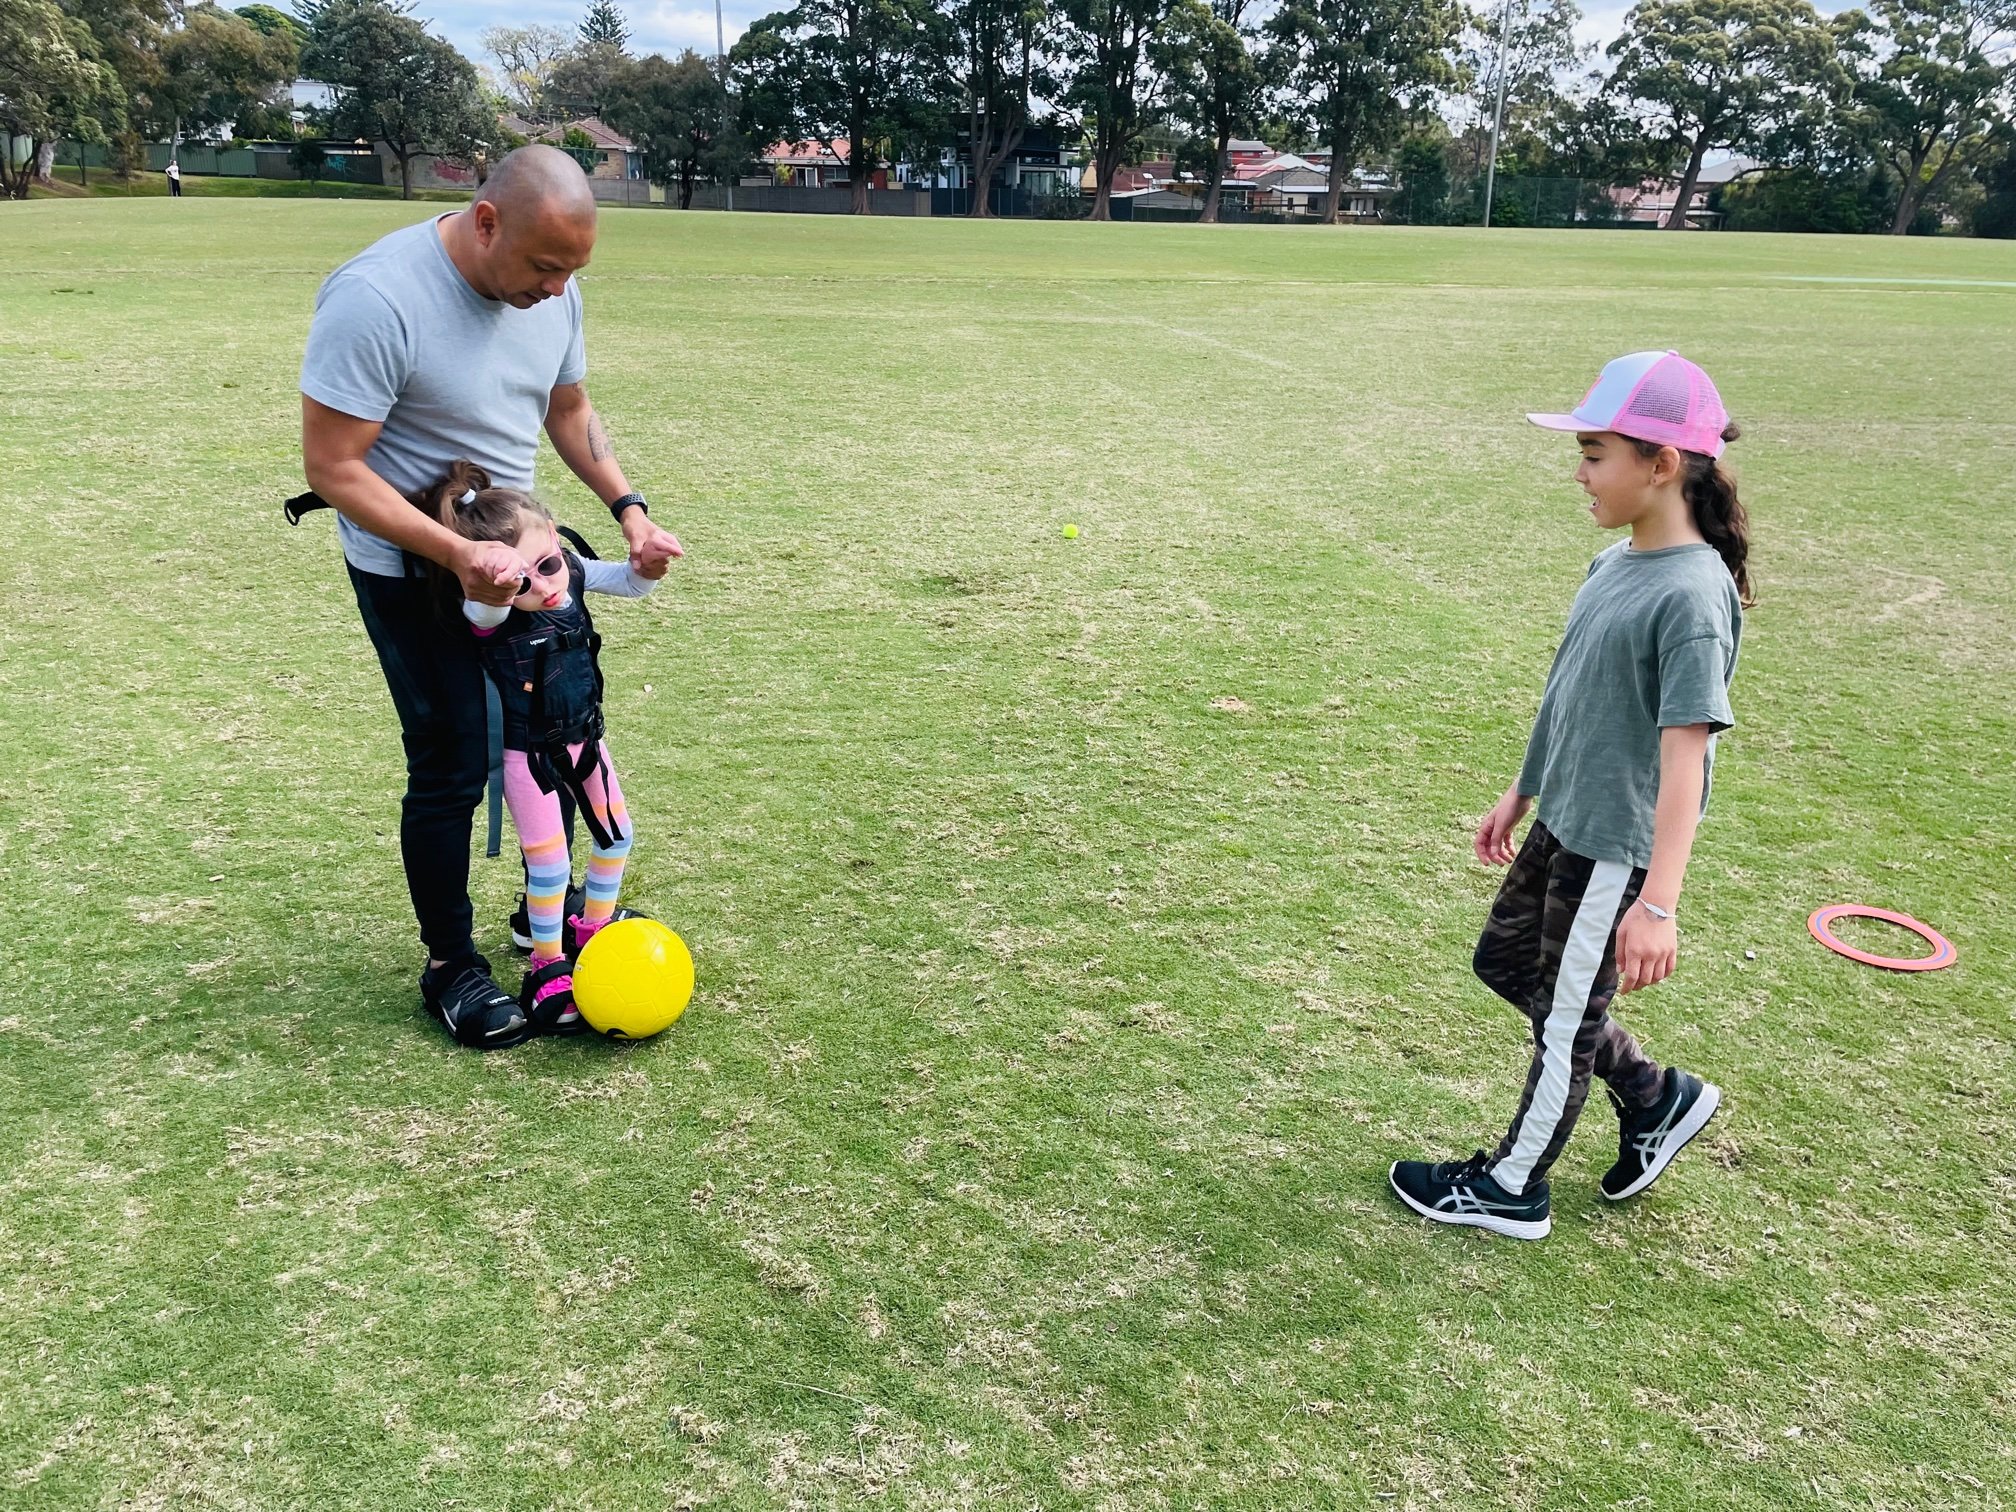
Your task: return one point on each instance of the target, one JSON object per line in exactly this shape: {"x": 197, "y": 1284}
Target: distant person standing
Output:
{"x": 459, "y": 337}
{"x": 174, "y": 179}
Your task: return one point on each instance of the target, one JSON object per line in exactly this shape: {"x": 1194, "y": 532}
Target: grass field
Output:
{"x": 1082, "y": 925}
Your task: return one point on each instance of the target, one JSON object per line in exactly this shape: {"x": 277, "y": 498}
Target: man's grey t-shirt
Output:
{"x": 1650, "y": 643}
{"x": 400, "y": 337}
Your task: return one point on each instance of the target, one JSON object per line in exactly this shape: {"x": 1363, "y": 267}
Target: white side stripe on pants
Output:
{"x": 1581, "y": 959}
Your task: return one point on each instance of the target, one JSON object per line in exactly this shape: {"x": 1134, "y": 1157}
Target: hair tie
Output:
{"x": 468, "y": 498}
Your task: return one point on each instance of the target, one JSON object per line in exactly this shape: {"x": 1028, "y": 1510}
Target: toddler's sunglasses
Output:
{"x": 545, "y": 567}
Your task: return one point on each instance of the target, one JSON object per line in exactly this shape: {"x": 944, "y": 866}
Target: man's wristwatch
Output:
{"x": 1655, "y": 910}
{"x": 631, "y": 500}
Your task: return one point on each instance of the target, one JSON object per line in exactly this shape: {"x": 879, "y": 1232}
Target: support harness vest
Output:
{"x": 546, "y": 667}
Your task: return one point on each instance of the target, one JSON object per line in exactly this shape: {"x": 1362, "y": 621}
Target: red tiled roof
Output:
{"x": 591, "y": 126}
{"x": 806, "y": 153}
{"x": 600, "y": 134}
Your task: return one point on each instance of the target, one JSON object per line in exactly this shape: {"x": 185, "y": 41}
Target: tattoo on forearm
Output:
{"x": 598, "y": 439}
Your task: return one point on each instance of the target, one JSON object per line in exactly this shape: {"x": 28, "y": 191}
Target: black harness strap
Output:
{"x": 554, "y": 767}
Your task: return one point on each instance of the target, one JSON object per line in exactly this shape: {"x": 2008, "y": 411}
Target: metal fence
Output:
{"x": 790, "y": 199}
{"x": 341, "y": 163}
{"x": 1013, "y": 201}
{"x": 1517, "y": 200}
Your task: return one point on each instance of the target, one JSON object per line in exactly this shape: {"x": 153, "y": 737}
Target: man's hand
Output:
{"x": 1647, "y": 950}
{"x": 652, "y": 547}
{"x": 1493, "y": 844}
{"x": 490, "y": 572}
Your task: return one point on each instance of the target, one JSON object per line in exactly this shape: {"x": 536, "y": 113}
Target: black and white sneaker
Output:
{"x": 1649, "y": 1138}
{"x": 1465, "y": 1192}
{"x": 478, "y": 1012}
{"x": 521, "y": 920}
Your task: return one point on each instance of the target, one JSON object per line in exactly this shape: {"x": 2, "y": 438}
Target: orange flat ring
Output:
{"x": 1943, "y": 953}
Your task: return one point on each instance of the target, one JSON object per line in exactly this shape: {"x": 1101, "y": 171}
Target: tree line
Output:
{"x": 1890, "y": 117}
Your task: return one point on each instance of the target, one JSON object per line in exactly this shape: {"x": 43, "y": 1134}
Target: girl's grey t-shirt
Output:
{"x": 400, "y": 337}
{"x": 1650, "y": 643}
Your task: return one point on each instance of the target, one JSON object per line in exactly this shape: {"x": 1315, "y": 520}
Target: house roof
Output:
{"x": 1126, "y": 181}
{"x": 590, "y": 126}
{"x": 599, "y": 133}
{"x": 806, "y": 154}
{"x": 1239, "y": 144}
{"x": 1279, "y": 163}
{"x": 1300, "y": 177}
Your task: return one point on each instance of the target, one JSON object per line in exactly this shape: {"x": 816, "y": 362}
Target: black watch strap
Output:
{"x": 633, "y": 498}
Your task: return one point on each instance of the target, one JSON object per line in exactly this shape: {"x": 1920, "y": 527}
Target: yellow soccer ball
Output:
{"x": 633, "y": 979}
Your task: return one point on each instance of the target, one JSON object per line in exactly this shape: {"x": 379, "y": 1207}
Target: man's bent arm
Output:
{"x": 582, "y": 442}
{"x": 333, "y": 448}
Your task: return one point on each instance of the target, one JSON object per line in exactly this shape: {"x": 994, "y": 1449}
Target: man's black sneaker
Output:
{"x": 521, "y": 919}
{"x": 1649, "y": 1138}
{"x": 1465, "y": 1192}
{"x": 478, "y": 1012}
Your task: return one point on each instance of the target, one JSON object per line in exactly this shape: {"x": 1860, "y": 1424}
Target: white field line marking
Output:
{"x": 1852, "y": 278}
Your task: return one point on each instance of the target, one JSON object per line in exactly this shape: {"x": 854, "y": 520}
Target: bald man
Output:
{"x": 458, "y": 337}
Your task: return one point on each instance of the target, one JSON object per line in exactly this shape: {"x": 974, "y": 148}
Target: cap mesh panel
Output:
{"x": 1663, "y": 396}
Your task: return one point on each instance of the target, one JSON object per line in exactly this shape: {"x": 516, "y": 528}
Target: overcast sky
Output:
{"x": 667, "y": 26}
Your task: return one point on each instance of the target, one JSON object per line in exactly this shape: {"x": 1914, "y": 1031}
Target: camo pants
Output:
{"x": 1547, "y": 949}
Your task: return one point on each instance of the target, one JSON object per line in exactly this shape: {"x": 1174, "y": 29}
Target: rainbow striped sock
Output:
{"x": 546, "y": 876}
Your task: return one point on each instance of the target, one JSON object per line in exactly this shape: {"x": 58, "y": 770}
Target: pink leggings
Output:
{"x": 548, "y": 867}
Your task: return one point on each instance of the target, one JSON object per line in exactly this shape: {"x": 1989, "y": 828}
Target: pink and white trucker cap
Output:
{"x": 1659, "y": 397}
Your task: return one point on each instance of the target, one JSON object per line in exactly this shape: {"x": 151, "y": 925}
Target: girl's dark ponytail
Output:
{"x": 1710, "y": 491}
{"x": 445, "y": 498}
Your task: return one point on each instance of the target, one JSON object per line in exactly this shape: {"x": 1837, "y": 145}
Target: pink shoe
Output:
{"x": 580, "y": 931}
{"x": 547, "y": 998}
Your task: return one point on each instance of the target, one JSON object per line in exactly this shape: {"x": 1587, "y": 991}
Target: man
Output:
{"x": 174, "y": 179}
{"x": 458, "y": 337}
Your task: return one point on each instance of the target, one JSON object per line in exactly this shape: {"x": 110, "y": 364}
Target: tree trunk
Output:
{"x": 1677, "y": 221}
{"x": 1105, "y": 163}
{"x": 980, "y": 140}
{"x": 405, "y": 173}
{"x": 859, "y": 167}
{"x": 1215, "y": 185}
{"x": 14, "y": 182}
{"x": 1340, "y": 169}
{"x": 1907, "y": 211}
{"x": 687, "y": 173}
{"x": 999, "y": 152}
{"x": 1911, "y": 194}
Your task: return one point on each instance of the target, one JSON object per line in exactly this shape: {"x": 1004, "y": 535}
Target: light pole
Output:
{"x": 721, "y": 67}
{"x": 1497, "y": 112}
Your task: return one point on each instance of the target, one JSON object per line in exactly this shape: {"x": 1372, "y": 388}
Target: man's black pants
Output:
{"x": 436, "y": 681}
{"x": 437, "y": 687}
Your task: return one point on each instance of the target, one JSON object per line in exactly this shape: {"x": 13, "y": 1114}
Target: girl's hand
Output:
{"x": 1493, "y": 844}
{"x": 1647, "y": 950}
{"x": 652, "y": 548}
